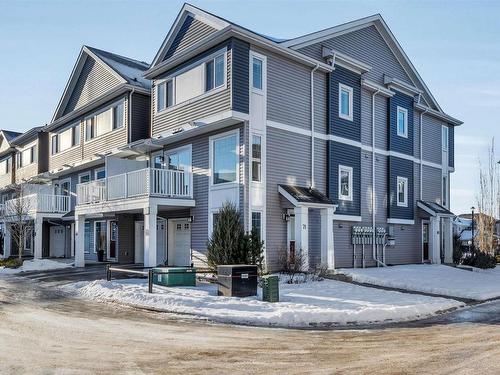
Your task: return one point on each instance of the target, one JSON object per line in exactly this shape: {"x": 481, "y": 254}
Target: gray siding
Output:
{"x": 380, "y": 120}
{"x": 126, "y": 238}
{"x": 7, "y": 179}
{"x": 431, "y": 184}
{"x": 320, "y": 102}
{"x": 320, "y": 164}
{"x": 93, "y": 82}
{"x": 368, "y": 46}
{"x": 190, "y": 32}
{"x": 432, "y": 150}
{"x": 140, "y": 127}
{"x": 314, "y": 237}
{"x": 240, "y": 76}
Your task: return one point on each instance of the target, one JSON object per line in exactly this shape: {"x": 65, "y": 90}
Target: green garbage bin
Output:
{"x": 176, "y": 276}
{"x": 270, "y": 289}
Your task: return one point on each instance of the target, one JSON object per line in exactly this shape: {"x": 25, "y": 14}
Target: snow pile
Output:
{"x": 36, "y": 265}
{"x": 319, "y": 303}
{"x": 435, "y": 279}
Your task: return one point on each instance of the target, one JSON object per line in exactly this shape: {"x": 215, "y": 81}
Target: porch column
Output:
{"x": 150, "y": 214}
{"x": 302, "y": 234}
{"x": 7, "y": 241}
{"x": 434, "y": 240}
{"x": 38, "y": 252}
{"x": 448, "y": 239}
{"x": 327, "y": 249}
{"x": 80, "y": 241}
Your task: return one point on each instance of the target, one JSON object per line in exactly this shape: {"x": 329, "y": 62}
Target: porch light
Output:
{"x": 285, "y": 216}
{"x": 190, "y": 219}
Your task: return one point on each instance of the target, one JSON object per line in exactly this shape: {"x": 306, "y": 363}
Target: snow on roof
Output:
{"x": 10, "y": 135}
{"x": 130, "y": 69}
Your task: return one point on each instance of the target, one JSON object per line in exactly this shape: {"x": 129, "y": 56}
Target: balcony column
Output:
{"x": 302, "y": 234}
{"x": 38, "y": 252}
{"x": 80, "y": 241}
{"x": 150, "y": 214}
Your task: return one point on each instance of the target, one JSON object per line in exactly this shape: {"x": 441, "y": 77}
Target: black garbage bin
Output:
{"x": 237, "y": 280}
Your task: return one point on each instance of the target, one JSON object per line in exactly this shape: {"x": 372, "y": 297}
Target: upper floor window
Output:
{"x": 257, "y": 73}
{"x": 444, "y": 137}
{"x": 256, "y": 158}
{"x": 225, "y": 159}
{"x": 402, "y": 192}
{"x": 26, "y": 156}
{"x": 100, "y": 173}
{"x": 105, "y": 121}
{"x": 66, "y": 139}
{"x": 345, "y": 102}
{"x": 5, "y": 166}
{"x": 402, "y": 122}
{"x": 179, "y": 160}
{"x": 164, "y": 95}
{"x": 345, "y": 183}
{"x": 257, "y": 223}
{"x": 214, "y": 73}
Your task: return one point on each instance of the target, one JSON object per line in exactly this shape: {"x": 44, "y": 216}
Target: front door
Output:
{"x": 57, "y": 241}
{"x": 113, "y": 241}
{"x": 291, "y": 235}
{"x": 179, "y": 242}
{"x": 425, "y": 242}
{"x": 160, "y": 242}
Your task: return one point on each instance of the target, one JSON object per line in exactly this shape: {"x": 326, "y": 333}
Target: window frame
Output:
{"x": 403, "y": 203}
{"x": 93, "y": 125}
{"x": 213, "y": 139}
{"x": 205, "y": 72}
{"x": 444, "y": 191}
{"x": 349, "y": 197}
{"x": 254, "y": 159}
{"x": 405, "y": 112}
{"x": 80, "y": 175}
{"x": 7, "y": 166}
{"x": 259, "y": 58}
{"x": 32, "y": 147}
{"x": 96, "y": 171}
{"x": 350, "y": 90}
{"x": 445, "y": 140}
{"x": 260, "y": 218}
{"x": 58, "y": 133}
{"x": 158, "y": 84}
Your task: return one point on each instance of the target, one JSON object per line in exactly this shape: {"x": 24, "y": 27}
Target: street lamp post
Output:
{"x": 472, "y": 239}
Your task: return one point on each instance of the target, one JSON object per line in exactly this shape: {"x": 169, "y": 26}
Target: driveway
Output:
{"x": 42, "y": 331}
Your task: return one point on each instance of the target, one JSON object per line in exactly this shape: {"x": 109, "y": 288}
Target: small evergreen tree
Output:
{"x": 230, "y": 244}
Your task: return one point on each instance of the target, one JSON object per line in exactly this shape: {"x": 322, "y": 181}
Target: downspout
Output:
{"x": 420, "y": 147}
{"x": 312, "y": 124}
{"x": 374, "y": 251}
{"x": 130, "y": 115}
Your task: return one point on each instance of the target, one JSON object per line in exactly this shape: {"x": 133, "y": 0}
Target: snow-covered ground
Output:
{"x": 36, "y": 265}
{"x": 318, "y": 303}
{"x": 435, "y": 279}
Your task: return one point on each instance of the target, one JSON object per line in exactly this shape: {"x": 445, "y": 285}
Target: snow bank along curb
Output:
{"x": 313, "y": 304}
{"x": 36, "y": 265}
{"x": 433, "y": 279}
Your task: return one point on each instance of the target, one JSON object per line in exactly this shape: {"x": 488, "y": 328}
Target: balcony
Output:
{"x": 37, "y": 203}
{"x": 162, "y": 183}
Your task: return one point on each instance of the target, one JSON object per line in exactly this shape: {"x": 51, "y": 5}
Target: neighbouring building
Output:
{"x": 329, "y": 144}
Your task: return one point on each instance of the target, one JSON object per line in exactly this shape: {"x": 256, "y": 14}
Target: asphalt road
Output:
{"x": 43, "y": 332}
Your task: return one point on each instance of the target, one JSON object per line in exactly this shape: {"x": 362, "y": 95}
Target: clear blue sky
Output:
{"x": 453, "y": 44}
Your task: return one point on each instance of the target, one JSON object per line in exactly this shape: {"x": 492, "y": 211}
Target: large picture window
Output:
{"x": 345, "y": 183}
{"x": 225, "y": 159}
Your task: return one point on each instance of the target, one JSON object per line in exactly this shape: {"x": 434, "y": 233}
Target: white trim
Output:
{"x": 95, "y": 225}
{"x": 340, "y": 217}
{"x": 349, "y": 170}
{"x": 398, "y": 85}
{"x": 405, "y": 122}
{"x": 296, "y": 203}
{"x": 350, "y": 91}
{"x": 375, "y": 87}
{"x": 404, "y": 180}
{"x": 189, "y": 148}
{"x": 94, "y": 114}
{"x": 97, "y": 170}
{"x": 86, "y": 173}
{"x": 400, "y": 221}
{"x": 445, "y": 146}
{"x": 214, "y": 138}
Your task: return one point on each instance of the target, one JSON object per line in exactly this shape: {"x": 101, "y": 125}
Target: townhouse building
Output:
{"x": 329, "y": 144}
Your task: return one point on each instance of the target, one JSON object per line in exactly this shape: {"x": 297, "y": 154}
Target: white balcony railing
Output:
{"x": 47, "y": 203}
{"x": 142, "y": 182}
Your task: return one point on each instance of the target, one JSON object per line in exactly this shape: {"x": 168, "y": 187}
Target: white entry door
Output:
{"x": 161, "y": 253}
{"x": 57, "y": 241}
{"x": 179, "y": 242}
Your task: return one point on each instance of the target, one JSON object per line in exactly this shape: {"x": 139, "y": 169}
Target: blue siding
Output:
{"x": 400, "y": 168}
{"x": 240, "y": 84}
{"x": 451, "y": 146}
{"x": 350, "y": 156}
{"x": 338, "y": 126}
{"x": 398, "y": 143}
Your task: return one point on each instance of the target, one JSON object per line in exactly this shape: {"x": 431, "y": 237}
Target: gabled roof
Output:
{"x": 9, "y": 135}
{"x": 124, "y": 69}
{"x": 300, "y": 195}
{"x": 27, "y": 136}
{"x": 386, "y": 34}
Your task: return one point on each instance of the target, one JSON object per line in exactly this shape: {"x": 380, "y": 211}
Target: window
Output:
{"x": 54, "y": 141}
{"x": 214, "y": 73}
{"x": 100, "y": 236}
{"x": 105, "y": 121}
{"x": 444, "y": 137}
{"x": 225, "y": 159}
{"x": 257, "y": 223}
{"x": 179, "y": 160}
{"x": 26, "y": 157}
{"x": 445, "y": 191}
{"x": 345, "y": 183}
{"x": 65, "y": 139}
{"x": 256, "y": 158}
{"x": 65, "y": 187}
{"x": 4, "y": 166}
{"x": 87, "y": 236}
{"x": 165, "y": 95}
{"x": 402, "y": 122}
{"x": 345, "y": 102}
{"x": 100, "y": 174}
{"x": 257, "y": 73}
{"x": 402, "y": 191}
{"x": 84, "y": 177}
